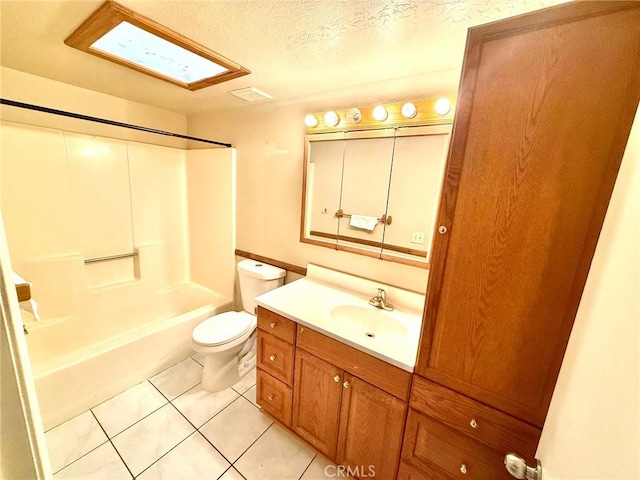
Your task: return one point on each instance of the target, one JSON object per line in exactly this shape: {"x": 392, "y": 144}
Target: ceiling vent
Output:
{"x": 251, "y": 94}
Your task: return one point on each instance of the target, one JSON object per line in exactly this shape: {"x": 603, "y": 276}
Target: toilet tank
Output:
{"x": 257, "y": 278}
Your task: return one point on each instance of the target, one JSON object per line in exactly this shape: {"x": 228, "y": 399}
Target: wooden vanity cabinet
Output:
{"x": 371, "y": 428}
{"x": 347, "y": 404}
{"x": 316, "y": 402}
{"x": 275, "y": 357}
{"x": 544, "y": 111}
{"x": 347, "y": 419}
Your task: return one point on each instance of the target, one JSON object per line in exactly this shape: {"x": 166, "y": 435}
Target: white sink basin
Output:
{"x": 337, "y": 305}
{"x": 369, "y": 322}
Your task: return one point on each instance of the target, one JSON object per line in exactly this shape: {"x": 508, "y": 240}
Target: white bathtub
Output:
{"x": 69, "y": 384}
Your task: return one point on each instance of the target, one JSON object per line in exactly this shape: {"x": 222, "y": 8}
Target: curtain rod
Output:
{"x": 37, "y": 108}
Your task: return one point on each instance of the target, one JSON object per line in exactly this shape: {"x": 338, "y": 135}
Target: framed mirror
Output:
{"x": 374, "y": 192}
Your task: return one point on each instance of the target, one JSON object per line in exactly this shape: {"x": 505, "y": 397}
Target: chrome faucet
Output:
{"x": 380, "y": 300}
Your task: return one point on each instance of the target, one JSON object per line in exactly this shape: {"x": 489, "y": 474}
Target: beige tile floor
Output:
{"x": 167, "y": 427}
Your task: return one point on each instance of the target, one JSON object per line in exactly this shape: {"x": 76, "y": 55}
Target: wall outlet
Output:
{"x": 417, "y": 237}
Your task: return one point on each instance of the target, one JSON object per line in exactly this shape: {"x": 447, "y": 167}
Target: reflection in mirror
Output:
{"x": 323, "y": 181}
{"x": 365, "y": 183}
{"x": 418, "y": 167}
{"x": 374, "y": 192}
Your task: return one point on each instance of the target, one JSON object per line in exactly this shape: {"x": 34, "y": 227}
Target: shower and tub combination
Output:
{"x": 127, "y": 246}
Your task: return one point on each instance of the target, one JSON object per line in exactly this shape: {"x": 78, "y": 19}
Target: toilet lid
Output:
{"x": 223, "y": 328}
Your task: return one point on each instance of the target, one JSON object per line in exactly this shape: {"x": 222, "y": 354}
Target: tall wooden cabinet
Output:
{"x": 545, "y": 107}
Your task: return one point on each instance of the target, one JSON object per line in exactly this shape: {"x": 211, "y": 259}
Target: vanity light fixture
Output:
{"x": 380, "y": 113}
{"x": 115, "y": 33}
{"x": 354, "y": 115}
{"x": 311, "y": 121}
{"x": 409, "y": 110}
{"x": 331, "y": 118}
{"x": 442, "y": 106}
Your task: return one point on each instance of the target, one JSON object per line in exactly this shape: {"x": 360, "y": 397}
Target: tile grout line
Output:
{"x": 112, "y": 444}
{"x": 305, "y": 470}
{"x": 197, "y": 429}
{"x": 253, "y": 443}
{"x": 210, "y": 443}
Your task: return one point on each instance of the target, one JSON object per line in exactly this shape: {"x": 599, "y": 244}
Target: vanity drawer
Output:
{"x": 440, "y": 452}
{"x": 407, "y": 472}
{"x": 377, "y": 372}
{"x": 498, "y": 430}
{"x": 275, "y": 356}
{"x": 274, "y": 397}
{"x": 277, "y": 325}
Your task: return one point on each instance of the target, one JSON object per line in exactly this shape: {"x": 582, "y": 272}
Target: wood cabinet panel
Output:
{"x": 431, "y": 446}
{"x": 276, "y": 325}
{"x": 316, "y": 402}
{"x": 479, "y": 422}
{"x": 275, "y": 397}
{"x": 373, "y": 370}
{"x": 543, "y": 117}
{"x": 371, "y": 427}
{"x": 407, "y": 472}
{"x": 275, "y": 356}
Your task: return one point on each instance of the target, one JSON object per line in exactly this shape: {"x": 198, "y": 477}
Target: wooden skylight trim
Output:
{"x": 111, "y": 14}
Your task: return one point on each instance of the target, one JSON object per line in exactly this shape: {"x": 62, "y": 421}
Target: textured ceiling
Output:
{"x": 292, "y": 47}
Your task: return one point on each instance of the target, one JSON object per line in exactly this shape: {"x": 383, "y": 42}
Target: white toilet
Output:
{"x": 228, "y": 340}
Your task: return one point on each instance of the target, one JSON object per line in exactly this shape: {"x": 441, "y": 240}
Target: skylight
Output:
{"x": 118, "y": 34}
{"x": 147, "y": 50}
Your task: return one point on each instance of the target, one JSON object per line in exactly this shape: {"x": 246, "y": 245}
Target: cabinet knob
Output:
{"x": 442, "y": 229}
{"x": 473, "y": 423}
{"x": 272, "y": 324}
{"x": 463, "y": 469}
{"x": 270, "y": 397}
{"x": 272, "y": 358}
{"x": 346, "y": 384}
{"x": 336, "y": 379}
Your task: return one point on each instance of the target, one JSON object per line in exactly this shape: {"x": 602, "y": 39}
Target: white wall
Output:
{"x": 269, "y": 138}
{"x": 211, "y": 190}
{"x": 27, "y": 88}
{"x": 592, "y": 430}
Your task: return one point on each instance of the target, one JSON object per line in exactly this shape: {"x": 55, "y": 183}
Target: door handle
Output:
{"x": 517, "y": 467}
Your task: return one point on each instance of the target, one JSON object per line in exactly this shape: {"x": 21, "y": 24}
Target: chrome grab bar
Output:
{"x": 110, "y": 257}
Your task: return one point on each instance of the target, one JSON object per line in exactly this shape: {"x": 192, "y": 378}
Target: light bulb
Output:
{"x": 331, "y": 118}
{"x": 354, "y": 115}
{"x": 380, "y": 113}
{"x": 409, "y": 110}
{"x": 311, "y": 121}
{"x": 442, "y": 106}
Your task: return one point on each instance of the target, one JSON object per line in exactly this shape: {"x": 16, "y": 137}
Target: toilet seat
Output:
{"x": 223, "y": 328}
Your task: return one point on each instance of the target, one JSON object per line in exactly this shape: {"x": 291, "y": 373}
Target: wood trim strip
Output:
{"x": 290, "y": 267}
{"x": 369, "y": 243}
{"x": 24, "y": 292}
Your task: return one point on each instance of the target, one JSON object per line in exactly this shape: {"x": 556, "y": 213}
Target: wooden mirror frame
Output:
{"x": 371, "y": 129}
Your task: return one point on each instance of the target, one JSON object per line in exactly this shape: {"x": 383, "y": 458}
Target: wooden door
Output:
{"x": 316, "y": 402}
{"x": 371, "y": 427}
{"x": 544, "y": 111}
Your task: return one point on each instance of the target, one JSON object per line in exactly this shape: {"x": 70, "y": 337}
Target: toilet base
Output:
{"x": 224, "y": 369}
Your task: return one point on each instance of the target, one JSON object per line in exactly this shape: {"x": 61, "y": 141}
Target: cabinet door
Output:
{"x": 316, "y": 402}
{"x": 371, "y": 425}
{"x": 543, "y": 116}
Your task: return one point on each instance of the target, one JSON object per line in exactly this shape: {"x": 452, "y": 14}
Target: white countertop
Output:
{"x": 310, "y": 301}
